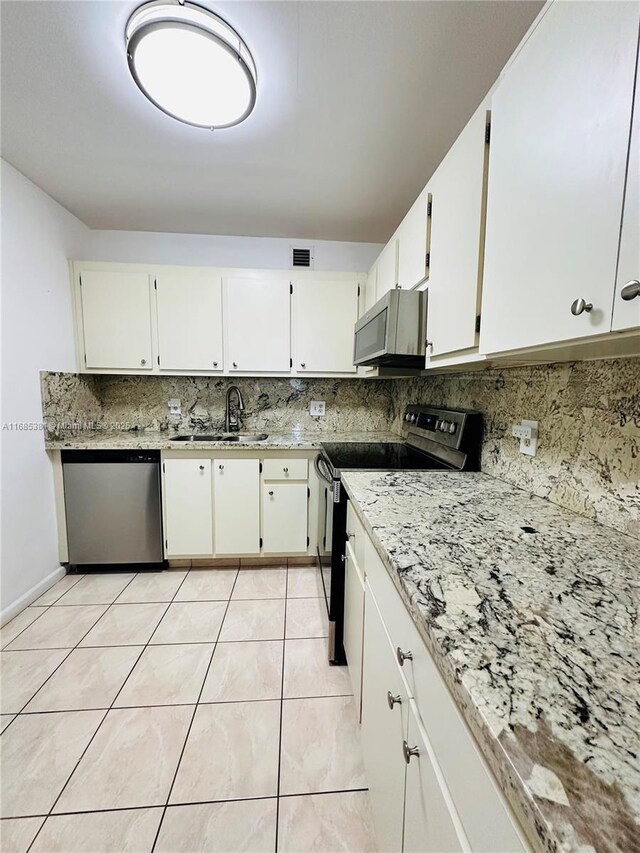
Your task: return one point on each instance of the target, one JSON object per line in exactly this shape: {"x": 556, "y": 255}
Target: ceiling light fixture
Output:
{"x": 191, "y": 64}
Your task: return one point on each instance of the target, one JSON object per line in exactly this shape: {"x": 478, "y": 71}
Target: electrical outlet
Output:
{"x": 317, "y": 408}
{"x": 175, "y": 407}
{"x": 527, "y": 432}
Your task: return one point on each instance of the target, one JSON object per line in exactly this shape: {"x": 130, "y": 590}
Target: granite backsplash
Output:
{"x": 588, "y": 412}
{"x": 588, "y": 456}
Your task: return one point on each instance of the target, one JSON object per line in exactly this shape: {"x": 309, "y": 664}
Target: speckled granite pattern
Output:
{"x": 156, "y": 440}
{"x": 589, "y": 430}
{"x": 271, "y": 405}
{"x": 537, "y": 636}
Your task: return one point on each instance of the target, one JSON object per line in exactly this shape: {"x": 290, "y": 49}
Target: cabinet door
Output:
{"x": 383, "y": 729}
{"x": 412, "y": 244}
{"x": 560, "y": 120}
{"x": 457, "y": 237}
{"x": 284, "y": 518}
{"x": 431, "y": 824}
{"x": 353, "y": 622}
{"x": 324, "y": 315}
{"x": 187, "y": 507}
{"x": 387, "y": 267}
{"x": 626, "y": 312}
{"x": 236, "y": 502}
{"x": 257, "y": 325}
{"x": 189, "y": 321}
{"x": 116, "y": 319}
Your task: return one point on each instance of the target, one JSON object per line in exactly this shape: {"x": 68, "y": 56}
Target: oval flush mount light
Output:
{"x": 191, "y": 64}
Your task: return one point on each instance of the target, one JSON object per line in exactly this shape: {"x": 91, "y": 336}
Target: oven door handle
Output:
{"x": 321, "y": 469}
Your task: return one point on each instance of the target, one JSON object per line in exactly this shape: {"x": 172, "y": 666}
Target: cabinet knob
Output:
{"x": 143, "y": 361}
{"x": 235, "y": 363}
{"x": 630, "y": 290}
{"x": 286, "y": 470}
{"x": 579, "y": 305}
{"x": 215, "y": 363}
{"x": 408, "y": 751}
{"x": 303, "y": 364}
{"x": 202, "y": 467}
{"x": 270, "y": 494}
{"x": 428, "y": 345}
{"x": 221, "y": 467}
{"x": 393, "y": 700}
{"x": 403, "y": 656}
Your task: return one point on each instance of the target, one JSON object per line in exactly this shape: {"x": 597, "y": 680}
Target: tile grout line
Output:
{"x": 284, "y": 654}
{"x": 91, "y": 739}
{"x": 193, "y": 716}
{"x": 190, "y": 803}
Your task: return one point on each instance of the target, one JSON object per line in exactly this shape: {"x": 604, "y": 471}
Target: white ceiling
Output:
{"x": 357, "y": 104}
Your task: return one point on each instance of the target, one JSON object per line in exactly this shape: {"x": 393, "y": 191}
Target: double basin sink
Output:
{"x": 231, "y": 437}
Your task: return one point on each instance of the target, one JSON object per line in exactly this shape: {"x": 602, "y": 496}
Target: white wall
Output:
{"x": 204, "y": 250}
{"x": 38, "y": 235}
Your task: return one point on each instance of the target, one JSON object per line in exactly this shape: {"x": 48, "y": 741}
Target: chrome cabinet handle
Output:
{"x": 403, "y": 656}
{"x": 202, "y": 467}
{"x": 428, "y": 345}
{"x": 270, "y": 494}
{"x": 143, "y": 361}
{"x": 235, "y": 363}
{"x": 286, "y": 470}
{"x": 221, "y": 467}
{"x": 393, "y": 700}
{"x": 408, "y": 751}
{"x": 303, "y": 364}
{"x": 630, "y": 290}
{"x": 215, "y": 363}
{"x": 579, "y": 305}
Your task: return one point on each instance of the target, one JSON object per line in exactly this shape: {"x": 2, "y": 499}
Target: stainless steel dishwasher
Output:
{"x": 112, "y": 504}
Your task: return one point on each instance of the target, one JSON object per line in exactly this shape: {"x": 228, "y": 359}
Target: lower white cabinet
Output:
{"x": 236, "y": 500}
{"x": 385, "y": 703}
{"x": 430, "y": 822}
{"x": 188, "y": 513}
{"x": 431, "y": 789}
{"x": 284, "y": 517}
{"x": 353, "y": 621}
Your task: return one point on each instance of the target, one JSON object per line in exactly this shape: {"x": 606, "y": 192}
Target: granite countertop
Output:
{"x": 536, "y": 634}
{"x": 156, "y": 440}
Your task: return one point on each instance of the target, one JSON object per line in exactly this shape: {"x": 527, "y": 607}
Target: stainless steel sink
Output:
{"x": 197, "y": 438}
{"x": 232, "y": 437}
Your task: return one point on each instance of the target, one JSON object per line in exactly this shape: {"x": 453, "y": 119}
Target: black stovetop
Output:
{"x": 383, "y": 455}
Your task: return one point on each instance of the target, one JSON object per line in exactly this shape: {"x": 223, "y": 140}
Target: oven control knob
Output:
{"x": 413, "y": 419}
{"x": 443, "y": 426}
{"x": 452, "y": 428}
{"x": 407, "y": 417}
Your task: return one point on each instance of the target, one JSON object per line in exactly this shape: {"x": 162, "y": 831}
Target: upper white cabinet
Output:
{"x": 560, "y": 121}
{"x": 324, "y": 315}
{"x": 189, "y": 307}
{"x": 387, "y": 269}
{"x": 257, "y": 324}
{"x": 413, "y": 243}
{"x": 458, "y": 194}
{"x": 116, "y": 320}
{"x": 626, "y": 311}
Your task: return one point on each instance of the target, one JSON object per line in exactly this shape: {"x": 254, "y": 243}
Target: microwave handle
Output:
{"x": 321, "y": 469}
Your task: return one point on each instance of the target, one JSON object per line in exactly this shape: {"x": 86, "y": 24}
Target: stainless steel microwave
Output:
{"x": 392, "y": 332}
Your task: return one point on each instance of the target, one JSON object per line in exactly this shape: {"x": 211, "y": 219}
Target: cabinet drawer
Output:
{"x": 357, "y": 536}
{"x": 285, "y": 469}
{"x": 485, "y": 815}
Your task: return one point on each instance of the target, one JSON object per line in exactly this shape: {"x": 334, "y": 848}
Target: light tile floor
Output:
{"x": 179, "y": 712}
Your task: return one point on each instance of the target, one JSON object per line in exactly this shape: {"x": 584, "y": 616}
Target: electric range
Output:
{"x": 433, "y": 439}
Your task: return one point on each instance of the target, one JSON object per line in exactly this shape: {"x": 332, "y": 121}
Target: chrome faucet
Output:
{"x": 231, "y": 416}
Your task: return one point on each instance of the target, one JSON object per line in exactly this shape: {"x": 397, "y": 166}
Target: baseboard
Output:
{"x": 31, "y": 595}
